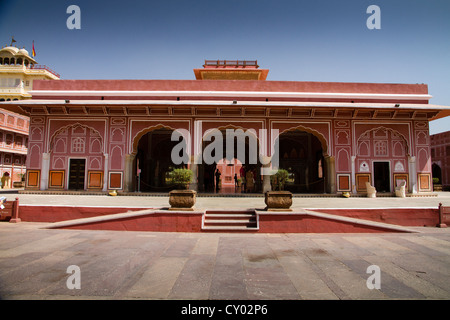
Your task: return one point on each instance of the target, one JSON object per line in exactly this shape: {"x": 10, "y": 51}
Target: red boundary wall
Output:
{"x": 268, "y": 223}
{"x": 287, "y": 223}
{"x": 63, "y": 213}
{"x": 161, "y": 222}
{"x": 408, "y": 217}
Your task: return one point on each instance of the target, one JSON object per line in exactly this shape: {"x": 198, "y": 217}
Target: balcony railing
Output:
{"x": 231, "y": 63}
{"x": 16, "y": 89}
{"x": 44, "y": 67}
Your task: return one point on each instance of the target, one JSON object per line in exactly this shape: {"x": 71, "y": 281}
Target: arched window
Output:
{"x": 1, "y": 60}
{"x": 20, "y": 61}
{"x": 2, "y": 99}
{"x": 12, "y": 61}
{"x": 78, "y": 145}
{"x": 6, "y": 61}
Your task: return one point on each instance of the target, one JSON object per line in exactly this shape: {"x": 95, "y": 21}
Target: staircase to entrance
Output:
{"x": 226, "y": 220}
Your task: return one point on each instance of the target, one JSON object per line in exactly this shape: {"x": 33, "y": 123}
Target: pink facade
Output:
{"x": 440, "y": 155}
{"x": 13, "y": 147}
{"x": 331, "y": 137}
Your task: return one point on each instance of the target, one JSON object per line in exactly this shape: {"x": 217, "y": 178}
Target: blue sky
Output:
{"x": 322, "y": 40}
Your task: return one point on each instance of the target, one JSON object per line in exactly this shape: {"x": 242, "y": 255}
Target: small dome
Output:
{"x": 24, "y": 52}
{"x": 12, "y": 50}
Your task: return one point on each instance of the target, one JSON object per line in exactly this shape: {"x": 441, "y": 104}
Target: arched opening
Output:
{"x": 71, "y": 150}
{"x": 235, "y": 154}
{"x": 381, "y": 155}
{"x": 436, "y": 173}
{"x": 153, "y": 160}
{"x": 301, "y": 153}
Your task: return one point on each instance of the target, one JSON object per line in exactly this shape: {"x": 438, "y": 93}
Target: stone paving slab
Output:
{"x": 230, "y": 203}
{"x": 219, "y": 266}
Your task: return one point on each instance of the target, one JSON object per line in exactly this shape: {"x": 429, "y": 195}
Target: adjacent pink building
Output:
{"x": 13, "y": 147}
{"x": 331, "y": 137}
{"x": 440, "y": 155}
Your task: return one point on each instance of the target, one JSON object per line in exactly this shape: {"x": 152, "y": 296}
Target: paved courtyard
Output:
{"x": 239, "y": 202}
{"x": 199, "y": 266}
{"x": 34, "y": 261}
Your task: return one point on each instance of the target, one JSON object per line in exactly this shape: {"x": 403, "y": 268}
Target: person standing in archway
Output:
{"x": 217, "y": 174}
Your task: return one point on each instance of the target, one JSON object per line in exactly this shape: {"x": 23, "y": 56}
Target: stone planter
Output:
{"x": 437, "y": 187}
{"x": 278, "y": 200}
{"x": 19, "y": 184}
{"x": 182, "y": 199}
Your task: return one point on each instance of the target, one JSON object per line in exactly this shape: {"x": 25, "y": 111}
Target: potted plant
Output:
{"x": 436, "y": 185}
{"x": 279, "y": 200}
{"x": 21, "y": 183}
{"x": 181, "y": 198}
{"x": 282, "y": 175}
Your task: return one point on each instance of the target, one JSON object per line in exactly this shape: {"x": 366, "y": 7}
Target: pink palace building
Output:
{"x": 331, "y": 137}
{"x": 440, "y": 156}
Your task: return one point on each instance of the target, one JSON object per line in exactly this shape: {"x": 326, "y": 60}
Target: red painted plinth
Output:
{"x": 162, "y": 222}
{"x": 408, "y": 217}
{"x": 292, "y": 223}
{"x": 289, "y": 222}
{"x": 63, "y": 213}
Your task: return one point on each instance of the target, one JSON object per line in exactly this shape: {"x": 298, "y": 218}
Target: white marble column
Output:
{"x": 128, "y": 173}
{"x": 105, "y": 172}
{"x": 45, "y": 170}
{"x": 412, "y": 174}
{"x": 353, "y": 181}
{"x": 194, "y": 167}
{"x": 331, "y": 174}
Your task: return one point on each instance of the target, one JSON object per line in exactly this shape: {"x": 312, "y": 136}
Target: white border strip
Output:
{"x": 266, "y": 94}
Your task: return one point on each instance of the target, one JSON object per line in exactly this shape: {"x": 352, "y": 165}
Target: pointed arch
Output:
{"x": 317, "y": 134}
{"x": 392, "y": 131}
{"x": 72, "y": 126}
{"x": 143, "y": 132}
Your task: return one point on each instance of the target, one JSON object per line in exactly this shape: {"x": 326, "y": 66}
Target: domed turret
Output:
{"x": 14, "y": 56}
{"x": 18, "y": 70}
{"x": 9, "y": 49}
{"x": 24, "y": 52}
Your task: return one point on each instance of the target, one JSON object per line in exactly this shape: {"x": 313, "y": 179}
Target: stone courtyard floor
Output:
{"x": 121, "y": 265}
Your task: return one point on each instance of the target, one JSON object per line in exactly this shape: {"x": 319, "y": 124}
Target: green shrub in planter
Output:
{"x": 281, "y": 176}
{"x": 181, "y": 177}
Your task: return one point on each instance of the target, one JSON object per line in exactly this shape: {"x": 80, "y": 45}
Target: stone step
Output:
{"x": 230, "y": 216}
{"x": 228, "y": 228}
{"x": 238, "y": 220}
{"x": 230, "y": 223}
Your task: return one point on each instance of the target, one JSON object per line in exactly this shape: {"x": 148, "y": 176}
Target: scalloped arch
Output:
{"x": 143, "y": 132}
{"x": 391, "y": 131}
{"x": 57, "y": 132}
{"x": 317, "y": 134}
